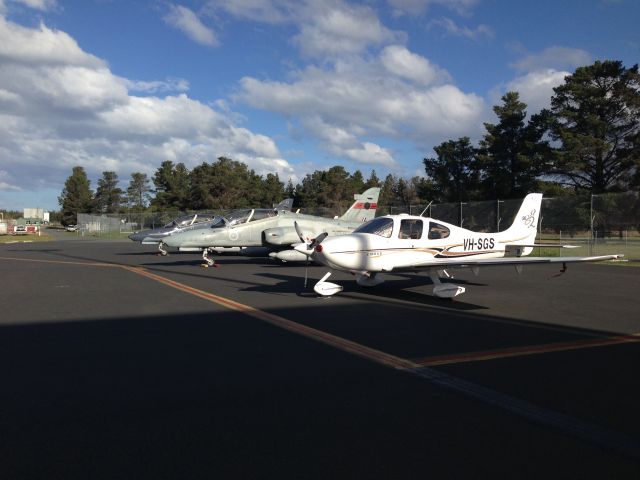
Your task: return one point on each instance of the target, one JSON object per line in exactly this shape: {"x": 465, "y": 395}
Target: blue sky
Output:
{"x": 286, "y": 86}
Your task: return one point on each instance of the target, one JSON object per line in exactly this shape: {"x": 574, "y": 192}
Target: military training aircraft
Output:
{"x": 185, "y": 223}
{"x": 401, "y": 243}
{"x": 179, "y": 224}
{"x": 271, "y": 228}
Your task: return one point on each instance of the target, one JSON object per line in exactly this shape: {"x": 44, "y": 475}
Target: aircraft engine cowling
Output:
{"x": 280, "y": 236}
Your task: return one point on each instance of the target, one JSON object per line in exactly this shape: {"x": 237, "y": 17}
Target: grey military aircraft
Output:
{"x": 185, "y": 223}
{"x": 180, "y": 224}
{"x": 272, "y": 228}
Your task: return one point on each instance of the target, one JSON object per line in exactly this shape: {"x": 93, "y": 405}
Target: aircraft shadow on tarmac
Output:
{"x": 197, "y": 261}
{"x": 394, "y": 291}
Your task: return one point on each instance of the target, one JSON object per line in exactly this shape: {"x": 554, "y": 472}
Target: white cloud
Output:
{"x": 43, "y": 5}
{"x": 344, "y": 144}
{"x": 327, "y": 28}
{"x": 61, "y": 107}
{"x": 188, "y": 22}
{"x": 400, "y": 61}
{"x": 42, "y": 45}
{"x": 419, "y": 7}
{"x": 345, "y": 103}
{"x": 452, "y": 28}
{"x": 267, "y": 11}
{"x": 339, "y": 29}
{"x": 370, "y": 154}
{"x": 535, "y": 88}
{"x": 6, "y": 185}
{"x": 554, "y": 57}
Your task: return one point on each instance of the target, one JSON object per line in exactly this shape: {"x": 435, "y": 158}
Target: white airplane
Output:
{"x": 401, "y": 243}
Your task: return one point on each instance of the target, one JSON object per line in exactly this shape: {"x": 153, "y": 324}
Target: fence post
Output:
{"x": 461, "y": 203}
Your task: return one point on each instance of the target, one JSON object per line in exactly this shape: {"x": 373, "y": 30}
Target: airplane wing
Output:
{"x": 482, "y": 262}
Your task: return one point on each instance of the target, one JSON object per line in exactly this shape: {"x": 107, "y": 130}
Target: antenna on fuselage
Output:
{"x": 425, "y": 208}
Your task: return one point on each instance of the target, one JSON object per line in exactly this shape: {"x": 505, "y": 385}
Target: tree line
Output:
{"x": 587, "y": 141}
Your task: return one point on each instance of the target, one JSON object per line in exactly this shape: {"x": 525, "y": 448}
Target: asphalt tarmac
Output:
{"x": 118, "y": 363}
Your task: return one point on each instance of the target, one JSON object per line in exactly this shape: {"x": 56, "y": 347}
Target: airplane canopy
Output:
{"x": 237, "y": 217}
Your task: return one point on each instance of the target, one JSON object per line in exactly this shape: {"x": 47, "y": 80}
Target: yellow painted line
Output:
{"x": 525, "y": 350}
{"x": 63, "y": 262}
{"x": 318, "y": 335}
{"x": 353, "y": 347}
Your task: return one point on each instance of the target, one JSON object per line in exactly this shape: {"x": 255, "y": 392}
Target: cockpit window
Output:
{"x": 201, "y": 218}
{"x": 378, "y": 226}
{"x": 182, "y": 221}
{"x": 237, "y": 217}
{"x": 410, "y": 228}
{"x": 437, "y": 231}
{"x": 262, "y": 213}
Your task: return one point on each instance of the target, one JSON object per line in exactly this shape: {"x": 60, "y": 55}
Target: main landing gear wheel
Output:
{"x": 161, "y": 250}
{"x": 208, "y": 262}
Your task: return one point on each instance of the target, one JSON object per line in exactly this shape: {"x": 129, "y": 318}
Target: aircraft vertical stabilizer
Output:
{"x": 364, "y": 207}
{"x": 525, "y": 224}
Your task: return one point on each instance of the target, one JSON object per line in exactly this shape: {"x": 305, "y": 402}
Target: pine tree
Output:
{"x": 108, "y": 195}
{"x": 76, "y": 197}
{"x": 138, "y": 191}
{"x": 597, "y": 122}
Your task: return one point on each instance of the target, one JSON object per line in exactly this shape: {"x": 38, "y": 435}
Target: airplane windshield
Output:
{"x": 238, "y": 216}
{"x": 182, "y": 221}
{"x": 378, "y": 226}
{"x": 204, "y": 217}
{"x": 259, "y": 214}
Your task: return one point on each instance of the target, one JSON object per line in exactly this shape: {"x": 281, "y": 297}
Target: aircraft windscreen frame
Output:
{"x": 180, "y": 221}
{"x": 238, "y": 217}
{"x": 381, "y": 226}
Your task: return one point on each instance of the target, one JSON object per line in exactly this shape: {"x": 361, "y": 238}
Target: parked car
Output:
{"x": 71, "y": 228}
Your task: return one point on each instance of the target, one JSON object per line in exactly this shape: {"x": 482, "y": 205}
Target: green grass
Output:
{"x": 629, "y": 247}
{"x": 24, "y": 238}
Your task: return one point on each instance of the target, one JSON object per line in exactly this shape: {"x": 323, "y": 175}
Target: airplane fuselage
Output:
{"x": 273, "y": 231}
{"x": 409, "y": 241}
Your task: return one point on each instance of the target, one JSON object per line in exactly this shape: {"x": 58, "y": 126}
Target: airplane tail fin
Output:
{"x": 364, "y": 207}
{"x": 524, "y": 229}
{"x": 285, "y": 204}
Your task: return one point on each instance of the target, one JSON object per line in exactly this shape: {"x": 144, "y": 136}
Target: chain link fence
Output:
{"x": 597, "y": 224}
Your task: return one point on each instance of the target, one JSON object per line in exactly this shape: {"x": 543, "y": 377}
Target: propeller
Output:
{"x": 307, "y": 247}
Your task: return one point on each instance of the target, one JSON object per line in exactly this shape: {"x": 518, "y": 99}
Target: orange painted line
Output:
{"x": 303, "y": 330}
{"x": 526, "y": 350}
{"x": 318, "y": 335}
{"x": 64, "y": 262}
{"x": 353, "y": 347}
